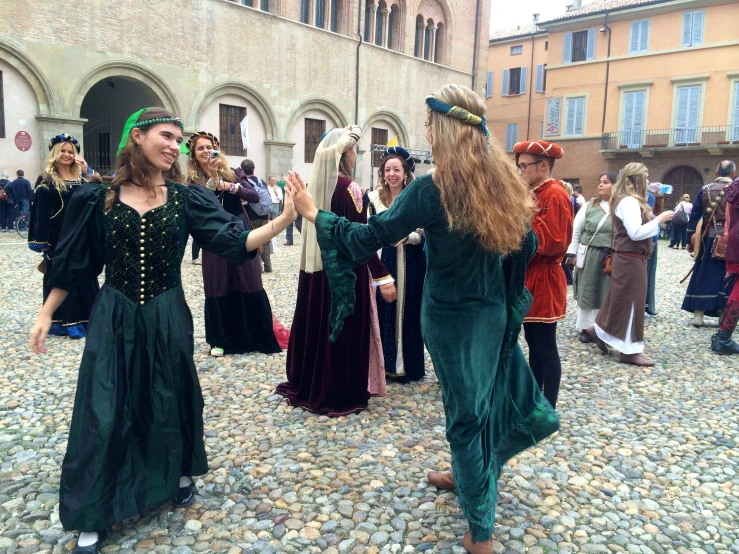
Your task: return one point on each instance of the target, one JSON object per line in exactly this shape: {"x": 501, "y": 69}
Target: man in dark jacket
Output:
{"x": 247, "y": 166}
{"x": 7, "y": 205}
{"x": 23, "y": 194}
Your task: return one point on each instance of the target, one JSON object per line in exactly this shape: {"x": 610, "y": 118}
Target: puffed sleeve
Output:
{"x": 39, "y": 228}
{"x": 80, "y": 253}
{"x": 214, "y": 228}
{"x": 553, "y": 226}
{"x": 344, "y": 244}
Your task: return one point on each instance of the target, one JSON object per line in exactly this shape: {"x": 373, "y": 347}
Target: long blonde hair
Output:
{"x": 632, "y": 181}
{"x": 195, "y": 173}
{"x": 481, "y": 190}
{"x": 52, "y": 167}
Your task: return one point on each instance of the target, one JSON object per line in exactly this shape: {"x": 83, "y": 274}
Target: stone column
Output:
{"x": 423, "y": 41}
{"x": 385, "y": 27}
{"x": 373, "y": 23}
{"x": 279, "y": 157}
{"x": 432, "y": 40}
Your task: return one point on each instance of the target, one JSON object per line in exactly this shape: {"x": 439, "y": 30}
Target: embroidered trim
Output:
{"x": 356, "y": 193}
{"x": 543, "y": 319}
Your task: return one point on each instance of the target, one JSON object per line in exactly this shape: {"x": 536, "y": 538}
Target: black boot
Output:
{"x": 721, "y": 343}
{"x": 185, "y": 495}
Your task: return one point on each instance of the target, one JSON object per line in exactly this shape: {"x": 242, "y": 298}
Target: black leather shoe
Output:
{"x": 185, "y": 496}
{"x": 93, "y": 548}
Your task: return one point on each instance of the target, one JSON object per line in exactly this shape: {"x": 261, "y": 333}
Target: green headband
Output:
{"x": 133, "y": 122}
{"x": 457, "y": 113}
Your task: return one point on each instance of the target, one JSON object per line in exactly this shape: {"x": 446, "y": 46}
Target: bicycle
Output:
{"x": 21, "y": 226}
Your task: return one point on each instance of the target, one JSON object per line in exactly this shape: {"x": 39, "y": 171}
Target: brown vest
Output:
{"x": 623, "y": 243}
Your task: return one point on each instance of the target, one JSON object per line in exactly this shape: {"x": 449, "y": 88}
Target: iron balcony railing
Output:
{"x": 686, "y": 137}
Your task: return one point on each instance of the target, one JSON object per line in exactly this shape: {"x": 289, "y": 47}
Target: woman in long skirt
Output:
{"x": 136, "y": 436}
{"x": 474, "y": 300}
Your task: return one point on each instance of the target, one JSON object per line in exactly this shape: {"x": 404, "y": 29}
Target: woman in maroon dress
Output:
{"x": 327, "y": 378}
{"x": 238, "y": 317}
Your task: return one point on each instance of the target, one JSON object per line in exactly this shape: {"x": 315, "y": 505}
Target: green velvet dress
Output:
{"x": 473, "y": 307}
{"x": 137, "y": 424}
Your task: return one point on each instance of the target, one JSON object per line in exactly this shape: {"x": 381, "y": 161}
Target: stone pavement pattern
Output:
{"x": 646, "y": 460}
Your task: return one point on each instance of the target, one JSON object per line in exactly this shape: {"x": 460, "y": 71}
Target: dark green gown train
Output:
{"x": 137, "y": 424}
{"x": 473, "y": 307}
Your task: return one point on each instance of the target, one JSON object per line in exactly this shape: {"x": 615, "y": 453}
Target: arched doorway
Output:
{"x": 684, "y": 180}
{"x": 106, "y": 106}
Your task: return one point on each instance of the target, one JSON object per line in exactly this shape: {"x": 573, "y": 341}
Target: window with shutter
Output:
{"x": 575, "y": 116}
{"x": 314, "y": 130}
{"x": 633, "y": 123}
{"x": 688, "y": 111}
{"x": 524, "y": 77}
{"x": 590, "y": 55}
{"x": 514, "y": 81}
{"x": 504, "y": 88}
{"x": 511, "y": 136}
{"x": 379, "y": 136}
{"x": 639, "y": 40}
{"x": 489, "y": 85}
{"x": 516, "y": 50}
{"x": 692, "y": 34}
{"x": 567, "y": 48}
{"x": 230, "y": 129}
{"x": 734, "y": 134}
{"x": 540, "y": 78}
{"x": 580, "y": 49}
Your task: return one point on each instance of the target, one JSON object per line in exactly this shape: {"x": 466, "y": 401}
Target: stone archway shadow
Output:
{"x": 237, "y": 89}
{"x": 316, "y": 104}
{"x": 394, "y": 120}
{"x": 123, "y": 69}
{"x": 47, "y": 100}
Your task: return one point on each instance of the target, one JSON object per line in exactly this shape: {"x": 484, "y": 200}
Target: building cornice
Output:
{"x": 518, "y": 38}
{"x": 631, "y": 84}
{"x": 691, "y": 78}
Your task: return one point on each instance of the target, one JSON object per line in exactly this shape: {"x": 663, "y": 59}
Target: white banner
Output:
{"x": 245, "y": 132}
{"x": 554, "y": 116}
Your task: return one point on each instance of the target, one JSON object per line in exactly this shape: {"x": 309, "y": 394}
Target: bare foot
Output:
{"x": 596, "y": 339}
{"x": 636, "y": 359}
{"x": 443, "y": 481}
{"x": 477, "y": 547}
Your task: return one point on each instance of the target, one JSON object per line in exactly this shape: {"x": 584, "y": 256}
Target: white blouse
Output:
{"x": 629, "y": 211}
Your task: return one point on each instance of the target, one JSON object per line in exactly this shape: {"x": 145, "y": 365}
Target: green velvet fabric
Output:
{"x": 473, "y": 307}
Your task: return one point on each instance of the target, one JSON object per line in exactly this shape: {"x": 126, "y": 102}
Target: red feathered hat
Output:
{"x": 539, "y": 148}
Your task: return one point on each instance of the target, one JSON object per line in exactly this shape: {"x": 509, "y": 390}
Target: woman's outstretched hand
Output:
{"x": 301, "y": 198}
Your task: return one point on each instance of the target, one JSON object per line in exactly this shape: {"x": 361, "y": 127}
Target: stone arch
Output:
{"x": 403, "y": 136}
{"x": 236, "y": 88}
{"x": 316, "y": 104}
{"x": 47, "y": 100}
{"x": 685, "y": 179}
{"x": 125, "y": 69}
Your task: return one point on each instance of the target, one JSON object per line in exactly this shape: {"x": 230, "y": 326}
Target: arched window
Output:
{"x": 334, "y": 24}
{"x": 393, "y": 39}
{"x": 367, "y": 21}
{"x": 320, "y": 13}
{"x": 427, "y": 40}
{"x": 439, "y": 46}
{"x": 379, "y": 23}
{"x": 264, "y": 5}
{"x": 418, "y": 48}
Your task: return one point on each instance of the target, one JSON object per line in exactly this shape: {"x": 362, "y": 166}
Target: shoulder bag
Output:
{"x": 681, "y": 216}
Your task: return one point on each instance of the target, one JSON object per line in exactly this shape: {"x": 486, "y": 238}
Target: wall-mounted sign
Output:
{"x": 23, "y": 141}
{"x": 554, "y": 116}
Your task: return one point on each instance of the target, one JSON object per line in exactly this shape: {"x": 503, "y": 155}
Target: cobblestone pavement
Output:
{"x": 646, "y": 460}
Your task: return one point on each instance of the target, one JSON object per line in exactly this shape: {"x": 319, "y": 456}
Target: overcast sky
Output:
{"x": 509, "y": 13}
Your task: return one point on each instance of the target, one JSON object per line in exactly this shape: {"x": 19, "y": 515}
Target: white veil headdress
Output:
{"x": 322, "y": 184}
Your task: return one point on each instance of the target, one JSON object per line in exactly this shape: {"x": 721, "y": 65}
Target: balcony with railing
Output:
{"x": 714, "y": 139}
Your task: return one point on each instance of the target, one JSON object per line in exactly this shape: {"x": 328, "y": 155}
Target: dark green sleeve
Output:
{"x": 80, "y": 253}
{"x": 214, "y": 229}
{"x": 345, "y": 245}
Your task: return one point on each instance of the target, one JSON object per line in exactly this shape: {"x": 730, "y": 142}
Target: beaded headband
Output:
{"x": 64, "y": 137}
{"x": 457, "y": 113}
{"x": 193, "y": 139}
{"x": 133, "y": 122}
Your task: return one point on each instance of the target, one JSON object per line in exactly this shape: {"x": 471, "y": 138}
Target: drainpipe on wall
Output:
{"x": 356, "y": 83}
{"x": 608, "y": 68}
{"x": 474, "y": 47}
{"x": 531, "y": 75}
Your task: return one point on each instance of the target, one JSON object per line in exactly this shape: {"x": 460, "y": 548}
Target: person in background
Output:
{"x": 706, "y": 294}
{"x": 620, "y": 322}
{"x": 579, "y": 198}
{"x": 575, "y": 207}
{"x": 656, "y": 201}
{"x": 721, "y": 342}
{"x": 545, "y": 279}
{"x": 7, "y": 203}
{"x": 258, "y": 220}
{"x": 275, "y": 193}
{"x": 680, "y": 223}
{"x": 22, "y": 195}
{"x": 591, "y": 240}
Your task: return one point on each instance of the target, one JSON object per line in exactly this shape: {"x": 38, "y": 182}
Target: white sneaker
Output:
{"x": 216, "y": 351}
{"x": 697, "y": 319}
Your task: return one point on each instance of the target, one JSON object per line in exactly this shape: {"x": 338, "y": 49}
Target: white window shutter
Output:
{"x": 580, "y": 116}
{"x": 523, "y": 79}
{"x": 735, "y": 134}
{"x": 694, "y": 113}
{"x": 644, "y": 36}
{"x": 567, "y": 49}
{"x": 591, "y": 45}
{"x": 540, "y": 78}
{"x": 681, "y": 117}
{"x": 628, "y": 116}
{"x": 570, "y": 130}
{"x": 514, "y": 135}
{"x": 697, "y": 35}
{"x": 687, "y": 28}
{"x": 489, "y": 85}
{"x": 505, "y": 82}
{"x": 634, "y": 40}
{"x": 638, "y": 124}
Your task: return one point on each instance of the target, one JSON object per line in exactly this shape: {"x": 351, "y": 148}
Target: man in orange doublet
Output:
{"x": 545, "y": 278}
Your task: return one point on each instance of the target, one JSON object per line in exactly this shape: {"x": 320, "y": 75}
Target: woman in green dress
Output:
{"x": 136, "y": 436}
{"x": 475, "y": 212}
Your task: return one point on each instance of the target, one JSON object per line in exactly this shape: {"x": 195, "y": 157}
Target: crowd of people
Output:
{"x": 418, "y": 261}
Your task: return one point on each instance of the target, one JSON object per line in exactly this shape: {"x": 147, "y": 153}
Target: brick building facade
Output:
{"x": 294, "y": 68}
